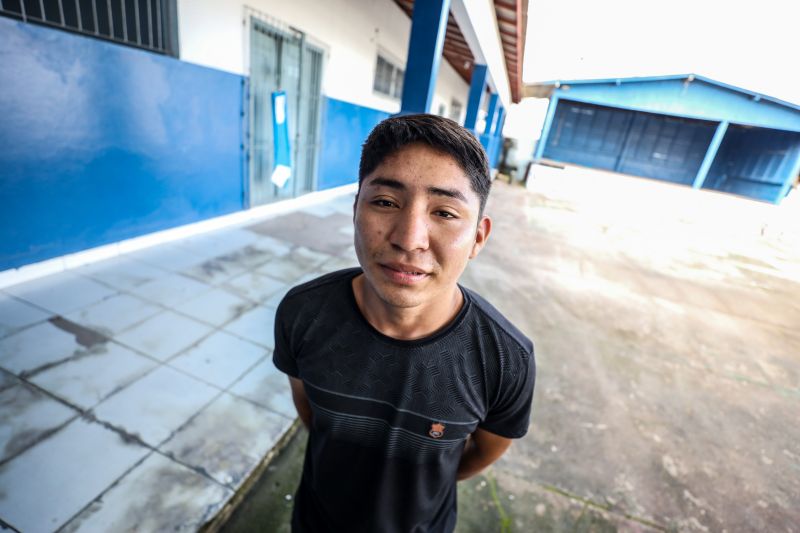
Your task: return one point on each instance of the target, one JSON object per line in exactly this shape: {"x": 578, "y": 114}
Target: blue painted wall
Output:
{"x": 101, "y": 142}
{"x": 345, "y": 128}
{"x": 755, "y": 162}
{"x": 697, "y": 99}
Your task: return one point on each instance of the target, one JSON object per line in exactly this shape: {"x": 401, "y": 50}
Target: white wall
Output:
{"x": 214, "y": 33}
{"x": 450, "y": 86}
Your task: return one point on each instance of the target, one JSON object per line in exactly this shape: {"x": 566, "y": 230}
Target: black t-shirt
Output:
{"x": 390, "y": 417}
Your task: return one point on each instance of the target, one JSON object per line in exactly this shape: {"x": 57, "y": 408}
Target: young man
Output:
{"x": 406, "y": 381}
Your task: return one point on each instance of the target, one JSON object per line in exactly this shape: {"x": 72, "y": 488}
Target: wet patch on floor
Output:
{"x": 84, "y": 336}
{"x": 303, "y": 229}
{"x": 157, "y": 495}
{"x": 227, "y": 439}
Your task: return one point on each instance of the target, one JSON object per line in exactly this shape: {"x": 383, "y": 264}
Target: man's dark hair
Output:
{"x": 441, "y": 134}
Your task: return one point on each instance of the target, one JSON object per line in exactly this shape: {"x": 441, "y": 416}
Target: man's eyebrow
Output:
{"x": 450, "y": 193}
{"x": 387, "y": 182}
{"x": 436, "y": 191}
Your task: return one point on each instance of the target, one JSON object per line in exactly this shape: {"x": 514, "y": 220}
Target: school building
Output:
{"x": 122, "y": 118}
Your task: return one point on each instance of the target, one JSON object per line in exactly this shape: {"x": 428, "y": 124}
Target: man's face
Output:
{"x": 416, "y": 226}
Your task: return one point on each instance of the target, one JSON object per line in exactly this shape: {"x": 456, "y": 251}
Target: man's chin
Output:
{"x": 399, "y": 298}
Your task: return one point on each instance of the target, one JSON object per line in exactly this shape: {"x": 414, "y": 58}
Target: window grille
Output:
{"x": 388, "y": 78}
{"x": 148, "y": 24}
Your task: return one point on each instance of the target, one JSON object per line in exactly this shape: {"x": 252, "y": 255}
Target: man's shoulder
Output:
{"x": 501, "y": 324}
{"x": 319, "y": 287}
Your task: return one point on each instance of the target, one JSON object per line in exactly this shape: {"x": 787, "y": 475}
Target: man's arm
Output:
{"x": 301, "y": 401}
{"x": 482, "y": 449}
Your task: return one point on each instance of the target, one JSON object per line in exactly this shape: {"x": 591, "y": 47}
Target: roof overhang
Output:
{"x": 502, "y": 52}
{"x": 545, "y": 89}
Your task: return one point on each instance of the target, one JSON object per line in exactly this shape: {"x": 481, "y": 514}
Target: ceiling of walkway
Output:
{"x": 512, "y": 20}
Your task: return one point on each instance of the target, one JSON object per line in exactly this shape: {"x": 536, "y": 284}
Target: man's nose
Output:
{"x": 410, "y": 230}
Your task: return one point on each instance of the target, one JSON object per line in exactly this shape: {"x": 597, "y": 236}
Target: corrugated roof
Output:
{"x": 545, "y": 89}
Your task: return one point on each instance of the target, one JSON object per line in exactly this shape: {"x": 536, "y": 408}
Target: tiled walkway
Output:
{"x": 140, "y": 391}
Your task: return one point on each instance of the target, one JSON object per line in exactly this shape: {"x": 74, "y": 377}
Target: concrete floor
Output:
{"x": 668, "y": 353}
{"x": 138, "y": 393}
{"x": 668, "y": 393}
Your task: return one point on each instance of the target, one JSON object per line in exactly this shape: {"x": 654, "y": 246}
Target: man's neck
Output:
{"x": 406, "y": 323}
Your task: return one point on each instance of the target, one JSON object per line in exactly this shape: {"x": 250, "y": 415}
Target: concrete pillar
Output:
{"x": 548, "y": 121}
{"x": 476, "y": 88}
{"x": 716, "y": 141}
{"x": 428, "y": 26}
{"x": 501, "y": 120}
{"x": 491, "y": 117}
{"x": 793, "y": 172}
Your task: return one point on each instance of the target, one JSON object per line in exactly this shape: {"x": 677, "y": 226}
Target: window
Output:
{"x": 455, "y": 110}
{"x": 388, "y": 78}
{"x": 148, "y": 24}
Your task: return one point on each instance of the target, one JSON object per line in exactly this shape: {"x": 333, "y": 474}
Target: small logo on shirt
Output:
{"x": 437, "y": 430}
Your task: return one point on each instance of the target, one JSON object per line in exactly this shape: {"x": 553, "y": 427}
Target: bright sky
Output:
{"x": 754, "y": 44}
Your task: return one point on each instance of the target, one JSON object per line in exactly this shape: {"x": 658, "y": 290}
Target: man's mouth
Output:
{"x": 403, "y": 273}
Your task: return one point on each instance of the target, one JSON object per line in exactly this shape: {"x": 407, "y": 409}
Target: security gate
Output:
{"x": 644, "y": 144}
{"x": 282, "y": 60}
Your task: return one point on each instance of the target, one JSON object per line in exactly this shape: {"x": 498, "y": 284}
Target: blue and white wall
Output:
{"x": 100, "y": 142}
{"x": 215, "y": 34}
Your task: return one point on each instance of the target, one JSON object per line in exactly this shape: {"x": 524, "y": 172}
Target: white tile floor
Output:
{"x": 156, "y": 405}
{"x": 61, "y": 293}
{"x": 114, "y": 314}
{"x": 37, "y": 346}
{"x": 164, "y": 335}
{"x": 215, "y": 307}
{"x": 88, "y": 380}
{"x": 256, "y": 325}
{"x": 228, "y": 438}
{"x": 220, "y": 359}
{"x": 158, "y": 495}
{"x": 266, "y": 386}
{"x": 122, "y": 273}
{"x": 16, "y": 314}
{"x": 139, "y": 392}
{"x": 55, "y": 479}
{"x": 172, "y": 289}
{"x": 33, "y": 414}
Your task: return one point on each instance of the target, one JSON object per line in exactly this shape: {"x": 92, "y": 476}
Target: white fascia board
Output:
{"x": 477, "y": 21}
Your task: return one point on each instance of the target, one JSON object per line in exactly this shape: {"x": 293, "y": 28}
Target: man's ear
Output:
{"x": 355, "y": 203}
{"x": 481, "y": 235}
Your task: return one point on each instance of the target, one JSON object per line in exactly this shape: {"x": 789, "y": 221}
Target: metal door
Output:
{"x": 282, "y": 60}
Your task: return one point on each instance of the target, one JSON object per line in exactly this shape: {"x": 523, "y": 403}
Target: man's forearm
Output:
{"x": 301, "y": 401}
{"x": 305, "y": 415}
{"x": 481, "y": 450}
{"x": 471, "y": 461}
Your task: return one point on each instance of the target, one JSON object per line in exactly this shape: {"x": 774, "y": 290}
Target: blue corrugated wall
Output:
{"x": 345, "y": 128}
{"x": 643, "y": 144}
{"x": 754, "y": 162}
{"x": 100, "y": 142}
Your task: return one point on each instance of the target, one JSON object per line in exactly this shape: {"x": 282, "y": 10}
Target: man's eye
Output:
{"x": 445, "y": 214}
{"x": 382, "y": 202}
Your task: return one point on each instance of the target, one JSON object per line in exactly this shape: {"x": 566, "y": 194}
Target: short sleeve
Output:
{"x": 510, "y": 414}
{"x": 283, "y": 356}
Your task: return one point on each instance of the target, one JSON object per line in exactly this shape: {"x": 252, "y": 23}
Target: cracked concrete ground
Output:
{"x": 138, "y": 393}
{"x": 668, "y": 351}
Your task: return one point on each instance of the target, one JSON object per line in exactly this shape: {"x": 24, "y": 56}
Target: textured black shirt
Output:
{"x": 390, "y": 417}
